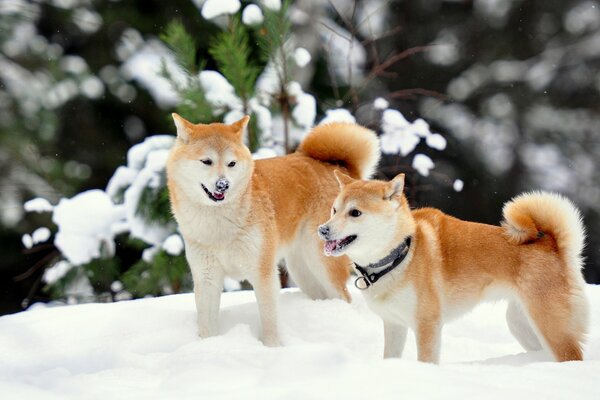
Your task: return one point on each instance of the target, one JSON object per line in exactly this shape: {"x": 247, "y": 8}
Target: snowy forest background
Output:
{"x": 475, "y": 100}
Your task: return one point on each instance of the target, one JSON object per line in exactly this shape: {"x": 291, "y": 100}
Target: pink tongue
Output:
{"x": 218, "y": 195}
{"x": 330, "y": 246}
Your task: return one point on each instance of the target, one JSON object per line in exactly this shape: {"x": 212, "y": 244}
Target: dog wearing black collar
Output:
{"x": 419, "y": 269}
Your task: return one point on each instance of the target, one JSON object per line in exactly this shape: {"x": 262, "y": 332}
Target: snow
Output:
{"x": 137, "y": 155}
{"x": 423, "y": 164}
{"x": 173, "y": 245}
{"x": 92, "y": 87}
{"x": 274, "y": 5}
{"x": 436, "y": 141}
{"x": 56, "y": 272}
{"x": 214, "y": 8}
{"x": 264, "y": 152}
{"x": 84, "y": 226}
{"x": 302, "y": 57}
{"x": 116, "y": 286}
{"x": 145, "y": 64}
{"x": 39, "y": 205}
{"x": 338, "y": 115}
{"x": 380, "y": 103}
{"x": 252, "y": 15}
{"x": 218, "y": 91}
{"x": 40, "y": 235}
{"x": 458, "y": 185}
{"x": 148, "y": 349}
{"x": 27, "y": 241}
{"x": 305, "y": 110}
{"x": 397, "y": 136}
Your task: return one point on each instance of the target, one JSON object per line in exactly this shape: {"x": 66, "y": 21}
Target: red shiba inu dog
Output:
{"x": 238, "y": 216}
{"x": 421, "y": 268}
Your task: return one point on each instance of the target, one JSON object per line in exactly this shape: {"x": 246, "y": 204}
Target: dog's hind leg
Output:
{"x": 553, "y": 311}
{"x": 394, "y": 339}
{"x": 521, "y": 329}
{"x": 303, "y": 276}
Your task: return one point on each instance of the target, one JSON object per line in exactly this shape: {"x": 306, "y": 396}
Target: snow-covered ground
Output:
{"x": 148, "y": 349}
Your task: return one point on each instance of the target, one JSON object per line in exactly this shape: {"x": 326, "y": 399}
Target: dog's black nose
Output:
{"x": 222, "y": 184}
{"x": 324, "y": 230}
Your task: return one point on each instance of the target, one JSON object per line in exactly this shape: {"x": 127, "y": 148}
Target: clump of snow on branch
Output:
{"x": 274, "y": 5}
{"x": 215, "y": 8}
{"x": 40, "y": 235}
{"x": 401, "y": 136}
{"x": 338, "y": 115}
{"x": 145, "y": 65}
{"x": 398, "y": 135}
{"x": 458, "y": 185}
{"x": 380, "y": 103}
{"x": 252, "y": 15}
{"x": 145, "y": 169}
{"x": 173, "y": 245}
{"x": 423, "y": 164}
{"x": 85, "y": 226}
{"x": 39, "y": 205}
{"x": 219, "y": 92}
{"x": 302, "y": 57}
{"x": 305, "y": 110}
{"x": 57, "y": 271}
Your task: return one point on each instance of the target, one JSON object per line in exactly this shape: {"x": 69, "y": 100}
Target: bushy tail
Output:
{"x": 530, "y": 215}
{"x": 352, "y": 146}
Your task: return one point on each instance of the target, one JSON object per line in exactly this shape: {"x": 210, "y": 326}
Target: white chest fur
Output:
{"x": 220, "y": 237}
{"x": 393, "y": 303}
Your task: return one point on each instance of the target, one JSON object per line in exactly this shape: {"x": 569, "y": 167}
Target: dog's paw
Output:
{"x": 205, "y": 333}
{"x": 271, "y": 342}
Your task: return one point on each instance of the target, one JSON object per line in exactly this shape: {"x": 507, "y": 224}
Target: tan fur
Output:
{"x": 271, "y": 211}
{"x": 453, "y": 265}
{"x": 350, "y": 145}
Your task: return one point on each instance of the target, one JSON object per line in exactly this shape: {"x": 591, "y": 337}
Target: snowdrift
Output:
{"x": 148, "y": 349}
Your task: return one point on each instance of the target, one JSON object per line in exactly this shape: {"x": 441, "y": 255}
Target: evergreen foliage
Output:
{"x": 231, "y": 51}
{"x": 154, "y": 206}
{"x": 182, "y": 44}
{"x": 165, "y": 274}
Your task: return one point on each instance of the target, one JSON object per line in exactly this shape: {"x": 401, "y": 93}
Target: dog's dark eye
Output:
{"x": 231, "y": 164}
{"x": 334, "y": 210}
{"x": 354, "y": 213}
{"x": 207, "y": 161}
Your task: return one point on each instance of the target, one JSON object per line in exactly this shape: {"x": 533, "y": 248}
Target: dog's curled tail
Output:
{"x": 354, "y": 147}
{"x": 529, "y": 216}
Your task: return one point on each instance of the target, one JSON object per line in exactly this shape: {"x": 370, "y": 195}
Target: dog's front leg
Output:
{"x": 394, "y": 339}
{"x": 429, "y": 335}
{"x": 266, "y": 289}
{"x": 208, "y": 285}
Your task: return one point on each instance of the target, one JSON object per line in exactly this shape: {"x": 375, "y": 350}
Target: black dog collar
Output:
{"x": 395, "y": 258}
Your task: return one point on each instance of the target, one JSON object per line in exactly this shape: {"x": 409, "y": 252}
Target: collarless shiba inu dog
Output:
{"x": 419, "y": 269}
{"x": 238, "y": 216}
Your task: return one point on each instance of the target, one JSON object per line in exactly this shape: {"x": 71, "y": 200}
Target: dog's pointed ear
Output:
{"x": 342, "y": 178}
{"x": 395, "y": 187}
{"x": 240, "y": 126}
{"x": 184, "y": 127}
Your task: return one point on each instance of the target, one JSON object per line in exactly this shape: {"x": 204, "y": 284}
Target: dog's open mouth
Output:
{"x": 333, "y": 247}
{"x": 214, "y": 196}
